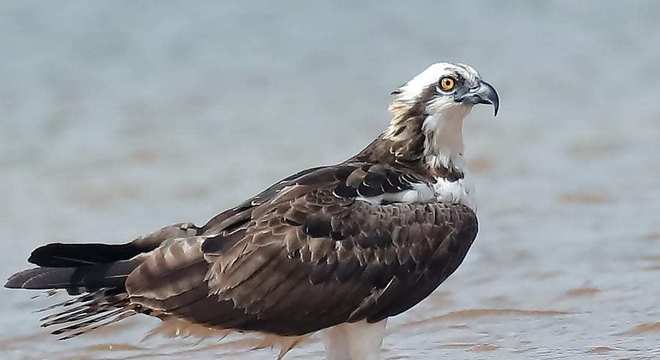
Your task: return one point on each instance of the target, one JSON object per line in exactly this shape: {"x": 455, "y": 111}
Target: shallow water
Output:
{"x": 118, "y": 118}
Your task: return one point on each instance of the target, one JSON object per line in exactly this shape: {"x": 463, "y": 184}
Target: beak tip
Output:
{"x": 484, "y": 94}
{"x": 489, "y": 95}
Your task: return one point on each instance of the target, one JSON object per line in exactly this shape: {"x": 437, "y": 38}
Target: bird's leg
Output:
{"x": 336, "y": 343}
{"x": 355, "y": 341}
{"x": 366, "y": 339}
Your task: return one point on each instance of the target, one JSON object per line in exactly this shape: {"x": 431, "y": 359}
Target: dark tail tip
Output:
{"x": 71, "y": 278}
{"x": 73, "y": 255}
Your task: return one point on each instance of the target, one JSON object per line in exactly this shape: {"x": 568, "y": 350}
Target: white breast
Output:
{"x": 457, "y": 192}
{"x": 420, "y": 193}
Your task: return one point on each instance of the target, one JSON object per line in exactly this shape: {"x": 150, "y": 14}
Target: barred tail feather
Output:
{"x": 97, "y": 272}
{"x": 87, "y": 312}
{"x": 103, "y": 299}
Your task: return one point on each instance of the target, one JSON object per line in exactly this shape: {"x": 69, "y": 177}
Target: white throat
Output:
{"x": 444, "y": 150}
{"x": 444, "y": 135}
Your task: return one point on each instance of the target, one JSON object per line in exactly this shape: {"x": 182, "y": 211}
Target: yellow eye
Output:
{"x": 447, "y": 84}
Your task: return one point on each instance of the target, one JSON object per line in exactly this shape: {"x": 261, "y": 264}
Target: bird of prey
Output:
{"x": 337, "y": 249}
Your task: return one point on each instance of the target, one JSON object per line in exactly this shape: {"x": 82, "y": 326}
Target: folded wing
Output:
{"x": 325, "y": 246}
{"x": 310, "y": 252}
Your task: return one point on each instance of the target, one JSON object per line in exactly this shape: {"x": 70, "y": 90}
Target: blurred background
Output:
{"x": 117, "y": 118}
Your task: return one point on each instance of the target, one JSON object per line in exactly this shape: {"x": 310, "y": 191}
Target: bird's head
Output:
{"x": 433, "y": 105}
{"x": 445, "y": 87}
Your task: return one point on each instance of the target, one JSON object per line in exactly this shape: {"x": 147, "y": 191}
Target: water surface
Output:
{"x": 120, "y": 117}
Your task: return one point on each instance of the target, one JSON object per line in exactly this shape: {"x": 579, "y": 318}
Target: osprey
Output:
{"x": 337, "y": 248}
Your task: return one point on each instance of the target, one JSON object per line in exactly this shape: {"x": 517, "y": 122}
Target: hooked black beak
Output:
{"x": 482, "y": 94}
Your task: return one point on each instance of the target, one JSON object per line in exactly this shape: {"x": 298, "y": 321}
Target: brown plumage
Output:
{"x": 301, "y": 256}
{"x": 365, "y": 239}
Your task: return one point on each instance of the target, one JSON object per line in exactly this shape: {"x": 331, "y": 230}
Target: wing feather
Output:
{"x": 307, "y": 254}
{"x": 314, "y": 250}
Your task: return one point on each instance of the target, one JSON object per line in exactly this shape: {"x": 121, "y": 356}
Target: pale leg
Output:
{"x": 365, "y": 340}
{"x": 354, "y": 341}
{"x": 336, "y": 343}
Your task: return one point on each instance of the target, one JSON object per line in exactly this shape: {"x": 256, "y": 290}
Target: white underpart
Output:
{"x": 419, "y": 193}
{"x": 460, "y": 191}
{"x": 444, "y": 148}
{"x": 354, "y": 341}
{"x": 444, "y": 135}
{"x": 456, "y": 192}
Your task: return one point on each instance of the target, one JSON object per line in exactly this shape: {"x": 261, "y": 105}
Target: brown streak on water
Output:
{"x": 483, "y": 348}
{"x": 601, "y": 349}
{"x": 480, "y": 165}
{"x": 653, "y": 236}
{"x": 644, "y": 328}
{"x": 473, "y": 314}
{"x": 584, "y": 198}
{"x": 581, "y": 292}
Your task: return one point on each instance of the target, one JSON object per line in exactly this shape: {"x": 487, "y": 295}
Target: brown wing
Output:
{"x": 306, "y": 254}
{"x": 310, "y": 258}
